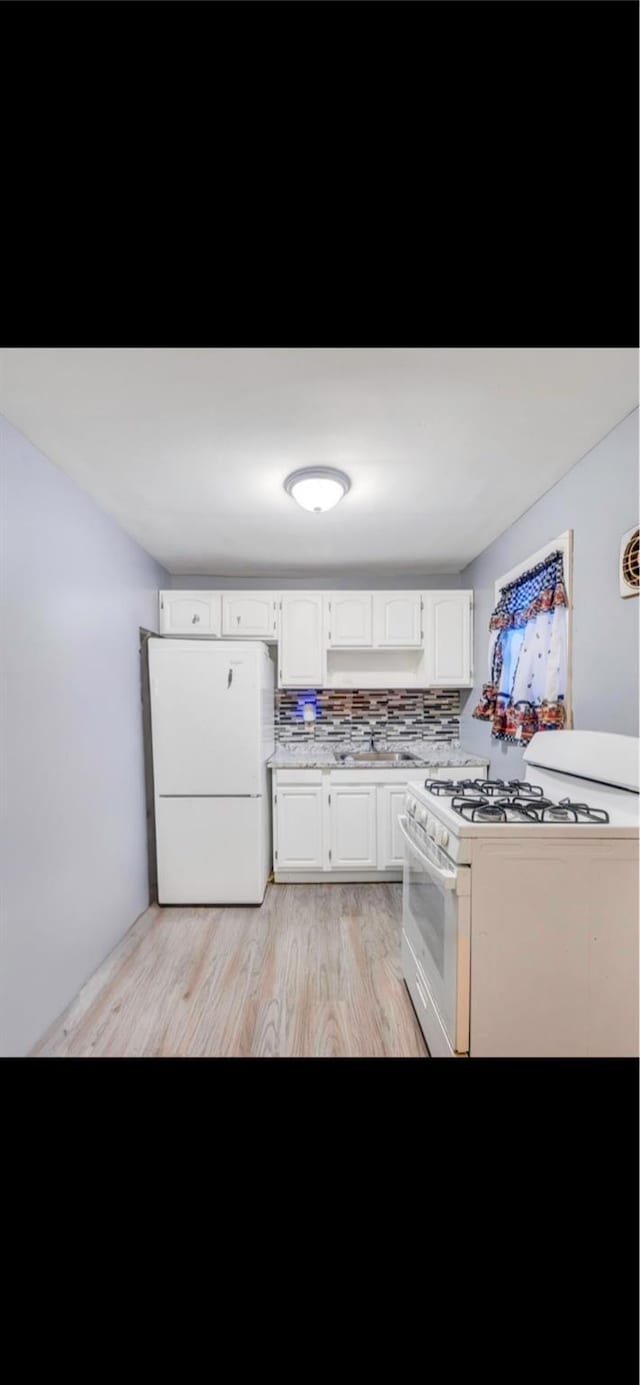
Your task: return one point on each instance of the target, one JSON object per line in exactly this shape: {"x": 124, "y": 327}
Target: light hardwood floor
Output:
{"x": 313, "y": 972}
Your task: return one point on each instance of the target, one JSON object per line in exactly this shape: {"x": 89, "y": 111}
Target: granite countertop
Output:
{"x": 307, "y": 755}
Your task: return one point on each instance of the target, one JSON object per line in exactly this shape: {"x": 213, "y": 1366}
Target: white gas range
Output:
{"x": 520, "y": 904}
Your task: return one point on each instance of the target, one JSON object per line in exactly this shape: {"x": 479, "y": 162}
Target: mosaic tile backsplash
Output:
{"x": 349, "y": 715}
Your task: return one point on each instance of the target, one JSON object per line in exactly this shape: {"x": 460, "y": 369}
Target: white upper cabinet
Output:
{"x": 350, "y": 619}
{"x": 448, "y": 635}
{"x": 189, "y": 613}
{"x": 394, "y": 639}
{"x": 301, "y": 649}
{"x": 397, "y": 620}
{"x": 250, "y": 614}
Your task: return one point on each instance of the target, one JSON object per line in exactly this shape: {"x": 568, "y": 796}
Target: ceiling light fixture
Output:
{"x": 317, "y": 487}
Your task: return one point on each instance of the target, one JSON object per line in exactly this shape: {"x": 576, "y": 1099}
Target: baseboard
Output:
{"x": 335, "y": 877}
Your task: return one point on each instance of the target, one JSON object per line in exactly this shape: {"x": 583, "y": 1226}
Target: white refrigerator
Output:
{"x": 212, "y": 707}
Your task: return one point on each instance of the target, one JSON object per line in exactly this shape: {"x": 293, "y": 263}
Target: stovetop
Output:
{"x": 485, "y": 788}
{"x": 445, "y": 815}
{"x": 516, "y": 800}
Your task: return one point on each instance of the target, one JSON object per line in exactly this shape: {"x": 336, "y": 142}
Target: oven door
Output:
{"x": 436, "y": 921}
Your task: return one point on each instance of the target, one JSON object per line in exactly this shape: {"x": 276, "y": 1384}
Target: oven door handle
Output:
{"x": 445, "y": 878}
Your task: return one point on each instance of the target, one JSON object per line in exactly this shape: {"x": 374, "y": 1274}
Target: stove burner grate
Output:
{"x": 522, "y": 789}
{"x": 497, "y": 788}
{"x": 440, "y": 787}
{"x": 490, "y": 788}
{"x": 479, "y": 810}
{"x": 537, "y": 809}
{"x": 559, "y": 812}
{"x": 583, "y": 811}
{"x": 527, "y": 809}
{"x": 454, "y": 788}
{"x": 533, "y": 806}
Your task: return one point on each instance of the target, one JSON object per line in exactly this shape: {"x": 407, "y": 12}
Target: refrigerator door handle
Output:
{"x": 229, "y": 678}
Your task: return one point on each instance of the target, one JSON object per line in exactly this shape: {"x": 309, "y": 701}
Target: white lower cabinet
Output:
{"x": 353, "y": 827}
{"x": 390, "y": 844}
{"x": 298, "y": 834}
{"x": 345, "y": 822}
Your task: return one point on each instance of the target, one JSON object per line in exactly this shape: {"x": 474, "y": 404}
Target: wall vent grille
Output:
{"x": 630, "y": 563}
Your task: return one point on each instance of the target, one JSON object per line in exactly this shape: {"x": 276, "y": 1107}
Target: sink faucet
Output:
{"x": 372, "y": 743}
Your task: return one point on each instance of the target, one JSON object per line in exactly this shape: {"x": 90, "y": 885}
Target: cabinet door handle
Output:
{"x": 195, "y": 620}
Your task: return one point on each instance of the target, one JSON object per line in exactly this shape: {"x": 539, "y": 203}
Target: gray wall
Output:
{"x": 598, "y": 499}
{"x": 408, "y": 581}
{"x": 75, "y": 591}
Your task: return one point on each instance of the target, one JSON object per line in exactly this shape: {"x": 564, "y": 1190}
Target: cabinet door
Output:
{"x": 189, "y": 613}
{"x": 298, "y": 814}
{"x": 391, "y": 799}
{"x": 448, "y": 638}
{"x": 352, "y": 813}
{"x": 350, "y": 619}
{"x": 249, "y": 614}
{"x": 397, "y": 620}
{"x": 301, "y": 653}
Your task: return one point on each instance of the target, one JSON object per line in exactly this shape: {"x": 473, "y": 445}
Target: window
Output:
{"x": 529, "y": 646}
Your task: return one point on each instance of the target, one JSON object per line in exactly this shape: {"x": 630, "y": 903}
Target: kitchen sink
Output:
{"x": 378, "y": 757}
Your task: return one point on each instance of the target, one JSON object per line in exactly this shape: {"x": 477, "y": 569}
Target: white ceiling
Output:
{"x": 188, "y": 448}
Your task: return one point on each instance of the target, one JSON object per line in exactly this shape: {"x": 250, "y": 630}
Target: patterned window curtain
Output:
{"x": 528, "y": 655}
